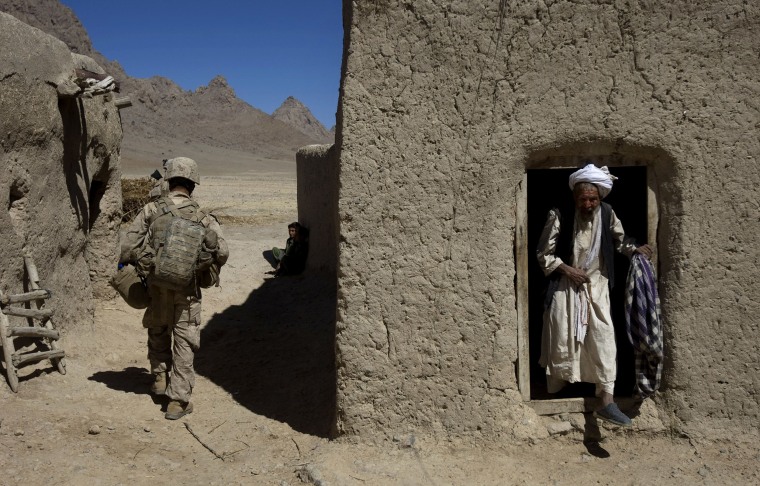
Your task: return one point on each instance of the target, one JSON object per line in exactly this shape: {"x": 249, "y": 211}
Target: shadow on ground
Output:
{"x": 275, "y": 354}
{"x": 130, "y": 380}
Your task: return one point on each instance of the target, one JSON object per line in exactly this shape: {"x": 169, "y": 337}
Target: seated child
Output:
{"x": 291, "y": 260}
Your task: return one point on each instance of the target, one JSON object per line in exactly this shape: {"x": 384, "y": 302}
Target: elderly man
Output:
{"x": 576, "y": 252}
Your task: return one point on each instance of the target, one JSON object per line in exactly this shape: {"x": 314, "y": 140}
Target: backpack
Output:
{"x": 177, "y": 238}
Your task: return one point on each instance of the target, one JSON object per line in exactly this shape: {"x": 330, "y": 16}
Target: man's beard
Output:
{"x": 586, "y": 216}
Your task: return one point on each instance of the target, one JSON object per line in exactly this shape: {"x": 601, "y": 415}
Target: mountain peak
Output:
{"x": 297, "y": 115}
{"x": 218, "y": 88}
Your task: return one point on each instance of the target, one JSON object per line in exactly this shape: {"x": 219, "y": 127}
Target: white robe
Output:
{"x": 594, "y": 360}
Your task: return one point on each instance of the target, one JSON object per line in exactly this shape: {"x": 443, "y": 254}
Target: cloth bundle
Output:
{"x": 644, "y": 325}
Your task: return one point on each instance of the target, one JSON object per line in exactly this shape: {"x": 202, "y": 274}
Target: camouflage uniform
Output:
{"x": 171, "y": 314}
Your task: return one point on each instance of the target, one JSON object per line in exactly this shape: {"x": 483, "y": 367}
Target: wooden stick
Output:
{"x": 124, "y": 102}
{"x": 8, "y": 352}
{"x": 190, "y": 429}
{"x": 60, "y": 362}
{"x": 31, "y": 269}
{"x": 22, "y": 359}
{"x": 297, "y": 448}
{"x": 209, "y": 432}
{"x": 34, "y": 332}
{"x": 40, "y": 314}
{"x": 230, "y": 454}
{"x": 25, "y": 297}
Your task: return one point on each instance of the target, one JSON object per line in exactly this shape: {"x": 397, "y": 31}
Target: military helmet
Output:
{"x": 182, "y": 167}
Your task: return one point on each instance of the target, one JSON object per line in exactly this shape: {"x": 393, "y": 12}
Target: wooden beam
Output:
{"x": 25, "y": 297}
{"x": 521, "y": 290}
{"x": 575, "y": 405}
{"x": 34, "y": 332}
{"x": 124, "y": 102}
{"x": 41, "y": 314}
{"x": 22, "y": 359}
{"x": 8, "y": 352}
{"x": 31, "y": 270}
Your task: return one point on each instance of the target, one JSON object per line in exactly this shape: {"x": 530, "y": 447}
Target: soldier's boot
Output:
{"x": 160, "y": 382}
{"x": 177, "y": 409}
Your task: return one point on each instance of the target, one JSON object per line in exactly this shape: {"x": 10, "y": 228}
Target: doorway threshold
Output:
{"x": 576, "y": 405}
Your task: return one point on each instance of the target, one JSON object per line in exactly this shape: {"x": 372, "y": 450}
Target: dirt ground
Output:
{"x": 264, "y": 398}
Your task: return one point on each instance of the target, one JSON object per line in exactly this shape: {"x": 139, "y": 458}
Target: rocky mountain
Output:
{"x": 52, "y": 17}
{"x": 166, "y": 120}
{"x": 297, "y": 115}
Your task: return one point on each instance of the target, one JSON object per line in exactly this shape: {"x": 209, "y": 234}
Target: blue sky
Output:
{"x": 266, "y": 49}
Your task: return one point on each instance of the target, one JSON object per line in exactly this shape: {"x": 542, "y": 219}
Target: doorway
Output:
{"x": 544, "y": 189}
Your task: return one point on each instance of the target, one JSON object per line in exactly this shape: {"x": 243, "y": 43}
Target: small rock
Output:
{"x": 585, "y": 457}
{"x": 94, "y": 430}
{"x": 146, "y": 428}
{"x": 704, "y": 471}
{"x": 18, "y": 432}
{"x": 555, "y": 428}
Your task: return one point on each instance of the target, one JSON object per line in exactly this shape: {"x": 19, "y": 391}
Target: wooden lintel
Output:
{"x": 34, "y": 332}
{"x": 22, "y": 359}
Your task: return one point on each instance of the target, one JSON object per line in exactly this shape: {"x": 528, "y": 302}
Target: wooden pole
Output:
{"x": 20, "y": 360}
{"x": 123, "y": 102}
{"x": 25, "y": 297}
{"x": 41, "y": 314}
{"x": 34, "y": 332}
{"x": 8, "y": 351}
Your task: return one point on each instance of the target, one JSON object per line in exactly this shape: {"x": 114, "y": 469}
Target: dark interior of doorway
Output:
{"x": 548, "y": 188}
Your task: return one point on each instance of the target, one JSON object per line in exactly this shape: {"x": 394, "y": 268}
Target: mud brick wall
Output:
{"x": 445, "y": 104}
{"x": 317, "y": 174}
{"x": 60, "y": 179}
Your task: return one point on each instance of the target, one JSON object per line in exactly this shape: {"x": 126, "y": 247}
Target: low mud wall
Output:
{"x": 317, "y": 173}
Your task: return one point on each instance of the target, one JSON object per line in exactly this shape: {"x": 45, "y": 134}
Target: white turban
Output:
{"x": 600, "y": 177}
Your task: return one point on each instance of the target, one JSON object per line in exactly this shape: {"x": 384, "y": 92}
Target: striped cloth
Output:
{"x": 644, "y": 325}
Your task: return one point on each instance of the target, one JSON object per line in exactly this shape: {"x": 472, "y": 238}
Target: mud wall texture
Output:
{"x": 445, "y": 104}
{"x": 60, "y": 177}
{"x": 317, "y": 185}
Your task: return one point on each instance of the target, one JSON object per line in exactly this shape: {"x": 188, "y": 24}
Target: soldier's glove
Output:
{"x": 211, "y": 240}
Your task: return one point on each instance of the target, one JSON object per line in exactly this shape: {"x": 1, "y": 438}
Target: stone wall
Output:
{"x": 60, "y": 178}
{"x": 445, "y": 104}
{"x": 317, "y": 175}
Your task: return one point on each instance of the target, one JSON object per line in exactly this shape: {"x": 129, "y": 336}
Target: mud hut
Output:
{"x": 60, "y": 179}
{"x": 458, "y": 123}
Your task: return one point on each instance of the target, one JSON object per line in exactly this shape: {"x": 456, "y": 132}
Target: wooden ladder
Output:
{"x": 40, "y": 326}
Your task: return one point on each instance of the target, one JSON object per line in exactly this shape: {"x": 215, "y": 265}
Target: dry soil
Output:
{"x": 264, "y": 397}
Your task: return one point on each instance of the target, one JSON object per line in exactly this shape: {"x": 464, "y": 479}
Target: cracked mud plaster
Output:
{"x": 55, "y": 152}
{"x": 446, "y": 103}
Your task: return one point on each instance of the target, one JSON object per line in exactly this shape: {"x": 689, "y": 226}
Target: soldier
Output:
{"x": 174, "y": 314}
